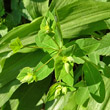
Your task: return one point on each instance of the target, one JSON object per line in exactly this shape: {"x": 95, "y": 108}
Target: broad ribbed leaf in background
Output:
{"x": 76, "y": 18}
{"x": 67, "y": 102}
{"x": 24, "y": 32}
{"x": 16, "y": 62}
{"x": 60, "y": 3}
{"x": 81, "y": 95}
{"x": 58, "y": 104}
{"x": 7, "y": 91}
{"x": 105, "y": 105}
{"x": 28, "y": 96}
{"x": 36, "y": 8}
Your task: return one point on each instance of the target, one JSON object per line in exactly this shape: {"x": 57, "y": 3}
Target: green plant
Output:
{"x": 57, "y": 61}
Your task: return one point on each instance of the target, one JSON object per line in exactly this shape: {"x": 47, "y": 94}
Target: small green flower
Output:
{"x": 70, "y": 59}
{"x": 67, "y": 61}
{"x": 64, "y": 90}
{"x": 67, "y": 67}
{"x": 26, "y": 75}
{"x": 60, "y": 90}
{"x": 28, "y": 78}
{"x": 47, "y": 28}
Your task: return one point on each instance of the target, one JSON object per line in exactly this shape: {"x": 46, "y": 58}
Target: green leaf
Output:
{"x": 105, "y": 104}
{"x": 59, "y": 68}
{"x": 63, "y": 70}
{"x": 94, "y": 81}
{"x": 28, "y": 96}
{"x": 49, "y": 37}
{"x": 3, "y": 30}
{"x": 62, "y": 103}
{"x": 58, "y": 4}
{"x": 104, "y": 68}
{"x": 67, "y": 102}
{"x": 10, "y": 19}
{"x": 17, "y": 62}
{"x": 46, "y": 41}
{"x": 36, "y": 8}
{"x": 88, "y": 45}
{"x": 44, "y": 67}
{"x": 26, "y": 75}
{"x": 57, "y": 90}
{"x": 80, "y": 84}
{"x": 51, "y": 92}
{"x": 104, "y": 48}
{"x": 108, "y": 23}
{"x": 78, "y": 72}
{"x": 78, "y": 18}
{"x": 72, "y": 49}
{"x": 106, "y": 60}
{"x": 78, "y": 60}
{"x": 3, "y": 59}
{"x": 16, "y": 45}
{"x": 2, "y": 10}
{"x": 94, "y": 58}
{"x": 81, "y": 95}
{"x": 26, "y": 37}
{"x": 7, "y": 91}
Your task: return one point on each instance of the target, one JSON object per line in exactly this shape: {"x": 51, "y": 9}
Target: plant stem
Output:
{"x": 48, "y": 61}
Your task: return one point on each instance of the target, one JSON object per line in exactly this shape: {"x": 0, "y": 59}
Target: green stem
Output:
{"x": 48, "y": 61}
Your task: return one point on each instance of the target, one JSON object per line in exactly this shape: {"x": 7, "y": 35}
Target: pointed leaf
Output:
{"x": 94, "y": 81}
{"x": 7, "y": 91}
{"x": 44, "y": 67}
{"x": 26, "y": 75}
{"x": 81, "y": 95}
{"x": 16, "y": 45}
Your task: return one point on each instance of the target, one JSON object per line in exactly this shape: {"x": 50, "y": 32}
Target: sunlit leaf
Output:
{"x": 16, "y": 45}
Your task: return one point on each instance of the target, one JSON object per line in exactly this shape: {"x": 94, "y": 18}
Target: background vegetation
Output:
{"x": 54, "y": 54}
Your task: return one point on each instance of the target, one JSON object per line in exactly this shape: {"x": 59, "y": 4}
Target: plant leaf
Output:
{"x": 88, "y": 45}
{"x": 27, "y": 97}
{"x": 16, "y": 45}
{"x": 104, "y": 48}
{"x": 81, "y": 95}
{"x": 58, "y": 4}
{"x": 49, "y": 37}
{"x": 78, "y": 18}
{"x": 61, "y": 72}
{"x": 36, "y": 8}
{"x": 12, "y": 67}
{"x": 44, "y": 67}
{"x": 94, "y": 81}
{"x": 94, "y": 58}
{"x": 2, "y": 10}
{"x": 26, "y": 75}
{"x": 25, "y": 36}
{"x": 7, "y": 91}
